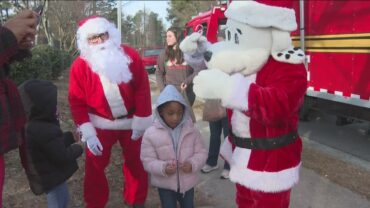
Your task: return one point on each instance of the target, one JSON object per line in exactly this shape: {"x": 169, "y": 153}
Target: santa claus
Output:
{"x": 264, "y": 82}
{"x": 110, "y": 101}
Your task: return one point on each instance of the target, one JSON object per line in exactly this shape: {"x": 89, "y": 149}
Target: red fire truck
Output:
{"x": 336, "y": 38}
{"x": 210, "y": 22}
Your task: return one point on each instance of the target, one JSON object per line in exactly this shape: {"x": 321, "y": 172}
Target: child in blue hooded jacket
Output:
{"x": 173, "y": 151}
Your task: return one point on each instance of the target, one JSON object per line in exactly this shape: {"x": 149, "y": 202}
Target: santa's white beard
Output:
{"x": 108, "y": 60}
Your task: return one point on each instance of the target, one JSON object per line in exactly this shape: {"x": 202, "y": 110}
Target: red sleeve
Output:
{"x": 76, "y": 95}
{"x": 281, "y": 95}
{"x": 142, "y": 98}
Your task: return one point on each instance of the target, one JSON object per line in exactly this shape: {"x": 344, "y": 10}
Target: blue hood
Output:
{"x": 170, "y": 93}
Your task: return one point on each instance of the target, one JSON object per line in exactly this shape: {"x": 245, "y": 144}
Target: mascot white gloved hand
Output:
{"x": 193, "y": 47}
{"x": 194, "y": 43}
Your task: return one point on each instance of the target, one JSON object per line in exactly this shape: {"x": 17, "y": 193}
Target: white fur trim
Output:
{"x": 240, "y": 123}
{"x": 141, "y": 123}
{"x": 95, "y": 26}
{"x": 261, "y": 15}
{"x": 226, "y": 150}
{"x": 281, "y": 40}
{"x": 103, "y": 123}
{"x": 260, "y": 180}
{"x": 114, "y": 98}
{"x": 290, "y": 55}
{"x": 86, "y": 130}
{"x": 238, "y": 98}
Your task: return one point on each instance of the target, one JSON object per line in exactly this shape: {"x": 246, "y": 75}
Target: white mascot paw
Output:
{"x": 190, "y": 43}
{"x": 212, "y": 84}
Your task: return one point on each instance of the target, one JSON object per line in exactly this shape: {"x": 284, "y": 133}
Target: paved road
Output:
{"x": 350, "y": 139}
{"x": 313, "y": 190}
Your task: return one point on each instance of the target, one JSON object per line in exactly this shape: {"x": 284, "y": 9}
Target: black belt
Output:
{"x": 129, "y": 113}
{"x": 121, "y": 117}
{"x": 265, "y": 143}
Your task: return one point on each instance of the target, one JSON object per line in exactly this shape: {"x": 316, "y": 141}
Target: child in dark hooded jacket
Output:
{"x": 48, "y": 154}
{"x": 172, "y": 150}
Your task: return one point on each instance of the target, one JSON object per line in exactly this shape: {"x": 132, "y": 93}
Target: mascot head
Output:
{"x": 254, "y": 31}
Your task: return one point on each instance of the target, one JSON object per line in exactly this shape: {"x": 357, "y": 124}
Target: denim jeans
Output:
{"x": 58, "y": 197}
{"x": 170, "y": 198}
{"x": 216, "y": 127}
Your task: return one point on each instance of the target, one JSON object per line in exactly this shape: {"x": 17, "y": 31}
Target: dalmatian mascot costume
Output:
{"x": 261, "y": 79}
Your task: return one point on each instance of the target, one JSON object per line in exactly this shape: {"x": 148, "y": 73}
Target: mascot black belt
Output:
{"x": 264, "y": 143}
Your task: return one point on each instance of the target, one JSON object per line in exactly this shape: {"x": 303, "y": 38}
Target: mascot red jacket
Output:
{"x": 264, "y": 82}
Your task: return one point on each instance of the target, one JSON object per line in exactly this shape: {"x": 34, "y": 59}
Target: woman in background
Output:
{"x": 172, "y": 69}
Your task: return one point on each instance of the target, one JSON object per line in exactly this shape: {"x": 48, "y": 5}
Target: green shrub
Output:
{"x": 46, "y": 63}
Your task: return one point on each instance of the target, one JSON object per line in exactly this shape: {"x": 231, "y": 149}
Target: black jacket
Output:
{"x": 48, "y": 155}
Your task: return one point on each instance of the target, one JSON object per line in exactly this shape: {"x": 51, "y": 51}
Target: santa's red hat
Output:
{"x": 95, "y": 25}
{"x": 264, "y": 13}
{"x": 85, "y": 20}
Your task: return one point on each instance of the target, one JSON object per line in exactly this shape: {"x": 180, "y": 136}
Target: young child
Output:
{"x": 172, "y": 150}
{"x": 48, "y": 155}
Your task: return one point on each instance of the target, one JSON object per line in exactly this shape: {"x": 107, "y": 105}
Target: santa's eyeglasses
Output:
{"x": 98, "y": 38}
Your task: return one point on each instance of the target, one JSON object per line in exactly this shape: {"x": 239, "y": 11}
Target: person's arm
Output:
{"x": 149, "y": 157}
{"x": 77, "y": 100}
{"x": 193, "y": 47}
{"x": 79, "y": 107}
{"x": 200, "y": 153}
{"x": 59, "y": 154}
{"x": 23, "y": 26}
{"x": 21, "y": 54}
{"x": 276, "y": 103}
{"x": 142, "y": 100}
{"x": 17, "y": 34}
{"x": 53, "y": 145}
{"x": 68, "y": 138}
{"x": 9, "y": 50}
{"x": 195, "y": 71}
{"x": 76, "y": 93}
{"x": 273, "y": 101}
{"x": 8, "y": 45}
{"x": 160, "y": 73}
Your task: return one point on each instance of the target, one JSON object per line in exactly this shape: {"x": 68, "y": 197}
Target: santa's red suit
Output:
{"x": 110, "y": 111}
{"x": 273, "y": 101}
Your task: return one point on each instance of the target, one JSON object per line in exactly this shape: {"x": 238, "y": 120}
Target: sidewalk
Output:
{"x": 312, "y": 191}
